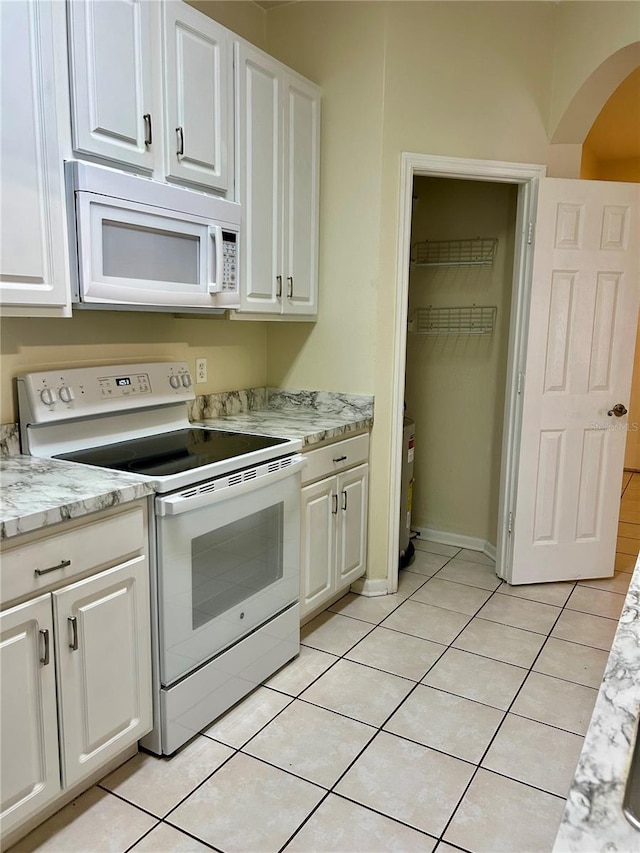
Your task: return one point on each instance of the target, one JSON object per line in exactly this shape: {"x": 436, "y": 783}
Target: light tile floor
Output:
{"x": 449, "y": 716}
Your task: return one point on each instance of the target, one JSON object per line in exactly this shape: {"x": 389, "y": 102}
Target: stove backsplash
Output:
{"x": 9, "y": 440}
{"x": 237, "y": 402}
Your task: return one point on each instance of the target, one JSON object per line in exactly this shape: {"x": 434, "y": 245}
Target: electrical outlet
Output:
{"x": 201, "y": 369}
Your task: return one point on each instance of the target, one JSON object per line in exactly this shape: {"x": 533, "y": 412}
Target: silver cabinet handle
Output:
{"x": 290, "y": 287}
{"x": 344, "y": 500}
{"x": 148, "y": 134}
{"x": 618, "y": 410}
{"x": 63, "y": 564}
{"x": 279, "y": 287}
{"x": 44, "y": 660}
{"x": 73, "y": 621}
{"x": 180, "y": 133}
{"x": 340, "y": 459}
{"x": 334, "y": 511}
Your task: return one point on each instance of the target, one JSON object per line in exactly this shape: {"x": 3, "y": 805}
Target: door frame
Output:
{"x": 527, "y": 176}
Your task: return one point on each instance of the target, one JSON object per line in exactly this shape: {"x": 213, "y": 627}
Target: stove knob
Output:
{"x": 186, "y": 380}
{"x": 174, "y": 381}
{"x": 66, "y": 394}
{"x": 48, "y": 396}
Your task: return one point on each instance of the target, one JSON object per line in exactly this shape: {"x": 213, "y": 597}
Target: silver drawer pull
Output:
{"x": 278, "y": 287}
{"x": 73, "y": 621}
{"x": 334, "y": 511}
{"x": 340, "y": 459}
{"x": 344, "y": 501}
{"x": 44, "y": 660}
{"x": 180, "y": 148}
{"x": 290, "y": 286}
{"x": 63, "y": 564}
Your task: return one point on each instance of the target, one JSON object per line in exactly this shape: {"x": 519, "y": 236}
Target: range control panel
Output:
{"x": 54, "y": 395}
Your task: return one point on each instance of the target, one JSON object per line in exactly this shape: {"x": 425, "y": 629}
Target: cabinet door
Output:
{"x": 317, "y": 546}
{"x": 33, "y": 239}
{"x": 29, "y": 746}
{"x": 103, "y": 655}
{"x": 301, "y": 191}
{"x": 259, "y": 128}
{"x": 111, "y": 79}
{"x": 198, "y": 98}
{"x": 352, "y": 521}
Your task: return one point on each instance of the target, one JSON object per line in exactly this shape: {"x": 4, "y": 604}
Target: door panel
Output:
{"x": 582, "y": 326}
{"x": 104, "y": 665}
{"x": 197, "y": 79}
{"x": 30, "y": 769}
{"x": 110, "y": 48}
{"x": 259, "y": 93}
{"x": 317, "y": 542}
{"x": 302, "y": 125}
{"x": 34, "y": 265}
{"x": 352, "y": 518}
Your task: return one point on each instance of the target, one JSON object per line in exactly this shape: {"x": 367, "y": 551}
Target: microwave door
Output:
{"x": 131, "y": 254}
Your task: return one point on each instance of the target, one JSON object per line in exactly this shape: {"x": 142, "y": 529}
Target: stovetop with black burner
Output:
{"x": 173, "y": 452}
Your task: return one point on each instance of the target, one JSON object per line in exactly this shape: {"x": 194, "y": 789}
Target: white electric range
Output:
{"x": 225, "y": 528}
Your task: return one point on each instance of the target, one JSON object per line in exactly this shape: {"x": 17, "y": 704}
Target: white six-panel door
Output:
{"x": 104, "y": 666}
{"x": 29, "y": 740}
{"x": 582, "y": 327}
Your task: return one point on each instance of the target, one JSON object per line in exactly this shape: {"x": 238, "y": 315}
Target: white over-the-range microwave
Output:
{"x": 142, "y": 245}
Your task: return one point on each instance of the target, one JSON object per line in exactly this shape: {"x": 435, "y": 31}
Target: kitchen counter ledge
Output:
{"x": 312, "y": 416}
{"x": 593, "y": 819}
{"x": 36, "y": 493}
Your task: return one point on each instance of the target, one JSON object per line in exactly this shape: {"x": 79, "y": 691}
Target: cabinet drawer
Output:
{"x": 335, "y": 457}
{"x": 76, "y": 550}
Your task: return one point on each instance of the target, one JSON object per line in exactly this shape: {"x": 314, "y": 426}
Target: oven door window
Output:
{"x": 234, "y": 562}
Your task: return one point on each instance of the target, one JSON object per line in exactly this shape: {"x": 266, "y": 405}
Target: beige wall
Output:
{"x": 236, "y": 352}
{"x": 472, "y": 80}
{"x": 340, "y": 46}
{"x": 455, "y": 384}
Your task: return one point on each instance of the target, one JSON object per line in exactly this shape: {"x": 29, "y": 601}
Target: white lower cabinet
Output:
{"x": 30, "y": 777}
{"x": 75, "y": 661}
{"x": 334, "y": 521}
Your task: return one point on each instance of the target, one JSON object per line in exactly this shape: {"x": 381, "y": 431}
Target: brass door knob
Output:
{"x": 618, "y": 410}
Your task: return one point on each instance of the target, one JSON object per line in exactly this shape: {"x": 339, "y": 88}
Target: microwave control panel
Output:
{"x": 229, "y": 262}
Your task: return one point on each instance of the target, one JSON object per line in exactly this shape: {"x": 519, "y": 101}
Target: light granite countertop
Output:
{"x": 593, "y": 820}
{"x": 312, "y": 416}
{"x": 37, "y": 492}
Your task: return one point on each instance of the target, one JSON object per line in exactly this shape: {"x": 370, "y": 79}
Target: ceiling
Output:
{"x": 615, "y": 134}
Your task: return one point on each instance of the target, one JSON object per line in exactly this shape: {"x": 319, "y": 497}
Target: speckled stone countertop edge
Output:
{"x": 593, "y": 819}
{"x": 37, "y": 493}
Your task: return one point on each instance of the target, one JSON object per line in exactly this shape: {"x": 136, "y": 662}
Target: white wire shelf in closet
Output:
{"x": 475, "y": 251}
{"x": 467, "y": 320}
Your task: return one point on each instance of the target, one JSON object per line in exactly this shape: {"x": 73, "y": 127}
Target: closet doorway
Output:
{"x": 459, "y": 313}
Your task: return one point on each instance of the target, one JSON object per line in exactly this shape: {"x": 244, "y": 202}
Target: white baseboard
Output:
{"x": 370, "y": 587}
{"x": 457, "y": 540}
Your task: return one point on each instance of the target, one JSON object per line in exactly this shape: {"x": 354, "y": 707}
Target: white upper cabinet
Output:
{"x": 34, "y": 266}
{"x": 198, "y": 89}
{"x": 112, "y": 73}
{"x": 278, "y": 132}
{"x": 301, "y": 195}
{"x": 152, "y": 90}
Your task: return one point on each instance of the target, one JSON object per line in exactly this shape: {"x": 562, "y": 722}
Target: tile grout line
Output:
{"x": 495, "y": 734}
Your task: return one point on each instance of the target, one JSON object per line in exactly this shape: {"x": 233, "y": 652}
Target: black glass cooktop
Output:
{"x": 173, "y": 452}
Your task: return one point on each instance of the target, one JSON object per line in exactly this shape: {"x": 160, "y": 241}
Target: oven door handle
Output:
{"x": 203, "y": 496}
